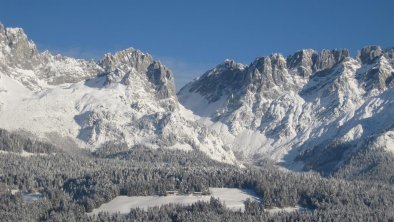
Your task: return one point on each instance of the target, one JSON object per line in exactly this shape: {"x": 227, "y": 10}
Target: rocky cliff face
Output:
{"x": 309, "y": 110}
{"x": 126, "y": 97}
{"x": 280, "y": 108}
{"x": 128, "y": 64}
{"x": 20, "y": 59}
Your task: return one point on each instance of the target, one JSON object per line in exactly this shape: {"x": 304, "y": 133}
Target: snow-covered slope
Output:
{"x": 283, "y": 108}
{"x": 309, "y": 110}
{"x": 125, "y": 97}
{"x": 20, "y": 59}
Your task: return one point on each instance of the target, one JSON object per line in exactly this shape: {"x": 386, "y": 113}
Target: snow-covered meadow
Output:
{"x": 233, "y": 199}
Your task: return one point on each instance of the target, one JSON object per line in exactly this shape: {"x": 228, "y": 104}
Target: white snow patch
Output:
{"x": 93, "y": 114}
{"x": 30, "y": 197}
{"x": 23, "y": 153}
{"x": 181, "y": 146}
{"x": 233, "y": 199}
{"x": 276, "y": 210}
{"x": 353, "y": 134}
{"x": 200, "y": 105}
{"x": 385, "y": 141}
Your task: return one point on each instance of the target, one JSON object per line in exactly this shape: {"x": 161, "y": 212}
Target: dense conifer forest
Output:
{"x": 75, "y": 182}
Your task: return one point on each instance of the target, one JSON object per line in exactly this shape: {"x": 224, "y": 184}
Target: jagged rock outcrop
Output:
{"x": 267, "y": 71}
{"x": 309, "y": 61}
{"x": 281, "y": 107}
{"x": 328, "y": 58}
{"x": 19, "y": 50}
{"x": 127, "y": 97}
{"x": 20, "y": 59}
{"x": 389, "y": 53}
{"x": 302, "y": 61}
{"x": 127, "y": 65}
{"x": 215, "y": 81}
{"x": 377, "y": 74}
{"x": 369, "y": 54}
{"x": 58, "y": 69}
{"x": 310, "y": 110}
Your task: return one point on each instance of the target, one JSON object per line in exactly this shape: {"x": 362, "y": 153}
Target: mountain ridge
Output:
{"x": 309, "y": 110}
{"x": 282, "y": 107}
{"x": 126, "y": 97}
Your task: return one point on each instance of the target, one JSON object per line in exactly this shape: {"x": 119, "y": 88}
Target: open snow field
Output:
{"x": 232, "y": 197}
{"x": 276, "y": 210}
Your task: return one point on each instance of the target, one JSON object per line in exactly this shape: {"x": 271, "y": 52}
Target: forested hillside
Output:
{"x": 74, "y": 184}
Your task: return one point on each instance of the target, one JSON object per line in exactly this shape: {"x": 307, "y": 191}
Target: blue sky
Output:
{"x": 193, "y": 36}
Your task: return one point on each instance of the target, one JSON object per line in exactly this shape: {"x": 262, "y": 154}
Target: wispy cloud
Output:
{"x": 184, "y": 71}
{"x": 81, "y": 53}
{"x": 75, "y": 52}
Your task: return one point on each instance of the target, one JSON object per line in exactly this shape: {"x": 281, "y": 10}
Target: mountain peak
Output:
{"x": 230, "y": 64}
{"x": 303, "y": 61}
{"x": 279, "y": 104}
{"x": 308, "y": 61}
{"x": 17, "y": 50}
{"x": 129, "y": 53}
{"x": 128, "y": 97}
{"x": 22, "y": 61}
{"x": 369, "y": 53}
{"x": 124, "y": 67}
{"x": 124, "y": 59}
{"x": 328, "y": 58}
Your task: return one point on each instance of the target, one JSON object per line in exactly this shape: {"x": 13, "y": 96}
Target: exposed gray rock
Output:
{"x": 268, "y": 71}
{"x": 328, "y": 58}
{"x": 220, "y": 81}
{"x": 128, "y": 97}
{"x": 162, "y": 80}
{"x": 389, "y": 53}
{"x": 125, "y": 65}
{"x": 308, "y": 101}
{"x": 309, "y": 61}
{"x": 18, "y": 50}
{"x": 377, "y": 75}
{"x": 303, "y": 61}
{"x": 19, "y": 55}
{"x": 369, "y": 53}
{"x": 125, "y": 61}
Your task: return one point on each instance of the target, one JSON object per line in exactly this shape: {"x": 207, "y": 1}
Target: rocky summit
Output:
{"x": 294, "y": 109}
{"x": 308, "y": 110}
{"x": 125, "y": 97}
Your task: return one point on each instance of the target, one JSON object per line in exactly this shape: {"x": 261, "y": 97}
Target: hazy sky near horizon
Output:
{"x": 191, "y": 37}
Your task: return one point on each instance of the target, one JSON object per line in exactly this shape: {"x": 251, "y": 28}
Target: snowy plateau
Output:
{"x": 291, "y": 110}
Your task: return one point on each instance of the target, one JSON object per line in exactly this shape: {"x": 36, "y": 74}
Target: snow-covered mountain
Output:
{"x": 310, "y": 110}
{"x": 313, "y": 107}
{"x": 125, "y": 97}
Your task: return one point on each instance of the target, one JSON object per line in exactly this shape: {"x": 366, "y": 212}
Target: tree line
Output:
{"x": 76, "y": 183}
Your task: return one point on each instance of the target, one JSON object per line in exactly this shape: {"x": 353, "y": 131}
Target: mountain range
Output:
{"x": 306, "y": 111}
{"x": 126, "y": 97}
